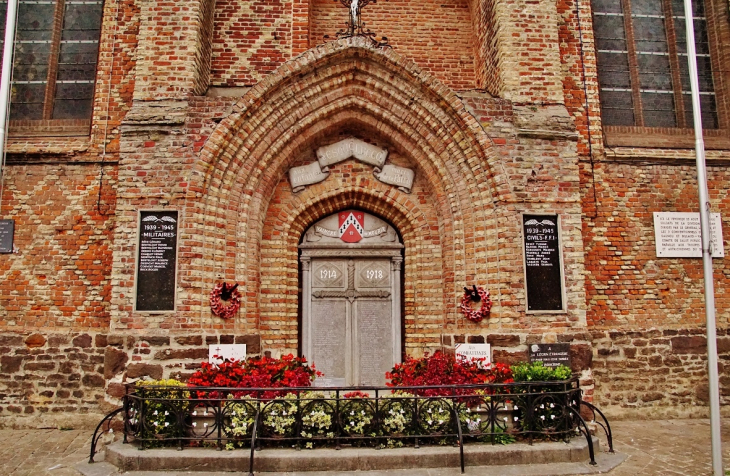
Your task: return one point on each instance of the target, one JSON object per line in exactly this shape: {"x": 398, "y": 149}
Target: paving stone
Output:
{"x": 652, "y": 447}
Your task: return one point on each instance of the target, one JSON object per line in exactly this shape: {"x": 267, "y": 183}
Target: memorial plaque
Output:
{"x": 351, "y": 299}
{"x": 551, "y": 355}
{"x": 470, "y": 352}
{"x": 219, "y": 353}
{"x": 543, "y": 267}
{"x": 375, "y": 338}
{"x": 329, "y": 339}
{"x": 7, "y": 232}
{"x": 157, "y": 261}
{"x": 679, "y": 235}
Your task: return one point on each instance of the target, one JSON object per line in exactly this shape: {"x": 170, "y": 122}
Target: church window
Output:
{"x": 642, "y": 67}
{"x": 56, "y": 49}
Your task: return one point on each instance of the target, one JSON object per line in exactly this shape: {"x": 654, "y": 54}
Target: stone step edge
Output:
{"x": 129, "y": 458}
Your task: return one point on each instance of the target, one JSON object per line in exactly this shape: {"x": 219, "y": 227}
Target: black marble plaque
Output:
{"x": 551, "y": 355}
{"x": 7, "y": 231}
{"x": 157, "y": 260}
{"x": 543, "y": 270}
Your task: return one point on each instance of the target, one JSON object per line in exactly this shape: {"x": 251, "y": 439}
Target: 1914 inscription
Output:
{"x": 543, "y": 270}
{"x": 157, "y": 260}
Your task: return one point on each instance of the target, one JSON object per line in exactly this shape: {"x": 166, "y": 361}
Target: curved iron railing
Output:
{"x": 307, "y": 417}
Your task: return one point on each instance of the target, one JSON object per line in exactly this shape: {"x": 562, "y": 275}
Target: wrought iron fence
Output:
{"x": 230, "y": 418}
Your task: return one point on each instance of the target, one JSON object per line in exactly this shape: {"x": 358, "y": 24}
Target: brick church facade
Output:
{"x": 499, "y": 108}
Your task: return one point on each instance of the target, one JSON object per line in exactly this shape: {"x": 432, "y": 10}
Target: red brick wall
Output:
{"x": 627, "y": 285}
{"x": 250, "y": 40}
{"x": 60, "y": 275}
{"x": 436, "y": 34}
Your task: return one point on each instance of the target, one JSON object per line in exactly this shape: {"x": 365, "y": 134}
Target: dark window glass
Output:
{"x": 649, "y": 96}
{"x": 53, "y": 74}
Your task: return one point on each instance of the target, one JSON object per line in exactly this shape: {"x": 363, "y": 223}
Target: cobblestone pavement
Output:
{"x": 667, "y": 447}
{"x": 658, "y": 447}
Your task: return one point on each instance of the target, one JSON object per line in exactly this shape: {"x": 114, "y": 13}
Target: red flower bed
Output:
{"x": 442, "y": 369}
{"x": 255, "y": 372}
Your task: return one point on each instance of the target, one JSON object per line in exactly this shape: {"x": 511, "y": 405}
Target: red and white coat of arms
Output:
{"x": 352, "y": 225}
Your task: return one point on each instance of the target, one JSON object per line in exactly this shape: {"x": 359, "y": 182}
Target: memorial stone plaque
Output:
{"x": 329, "y": 339}
{"x": 543, "y": 269}
{"x": 7, "y": 231}
{"x": 375, "y": 337}
{"x": 157, "y": 260}
{"x": 219, "y": 353}
{"x": 551, "y": 355}
{"x": 679, "y": 235}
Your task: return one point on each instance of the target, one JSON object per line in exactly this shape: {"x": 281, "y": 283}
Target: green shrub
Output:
{"x": 537, "y": 372}
{"x": 162, "y": 404}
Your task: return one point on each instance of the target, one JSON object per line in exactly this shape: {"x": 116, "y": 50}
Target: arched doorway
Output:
{"x": 351, "y": 298}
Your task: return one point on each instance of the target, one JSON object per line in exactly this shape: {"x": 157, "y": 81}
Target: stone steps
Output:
{"x": 548, "y": 457}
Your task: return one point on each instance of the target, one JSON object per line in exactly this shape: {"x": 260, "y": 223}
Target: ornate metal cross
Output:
{"x": 355, "y": 25}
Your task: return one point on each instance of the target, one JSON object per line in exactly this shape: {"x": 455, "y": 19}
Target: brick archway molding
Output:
{"x": 237, "y": 232}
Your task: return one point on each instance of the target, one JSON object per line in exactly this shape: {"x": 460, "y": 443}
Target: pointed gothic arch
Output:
{"x": 238, "y": 224}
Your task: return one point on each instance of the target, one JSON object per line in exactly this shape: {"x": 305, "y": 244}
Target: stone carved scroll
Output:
{"x": 300, "y": 177}
{"x": 400, "y": 177}
{"x": 344, "y": 149}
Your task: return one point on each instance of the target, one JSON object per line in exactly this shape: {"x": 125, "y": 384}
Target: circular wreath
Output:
{"x": 225, "y": 300}
{"x": 478, "y": 294}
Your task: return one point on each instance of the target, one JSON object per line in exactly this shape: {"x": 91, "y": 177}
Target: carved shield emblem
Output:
{"x": 351, "y": 226}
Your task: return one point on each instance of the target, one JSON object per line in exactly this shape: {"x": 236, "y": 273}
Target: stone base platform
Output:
{"x": 542, "y": 458}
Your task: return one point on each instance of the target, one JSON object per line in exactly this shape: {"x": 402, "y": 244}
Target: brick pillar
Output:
{"x": 528, "y": 51}
{"x": 174, "y": 51}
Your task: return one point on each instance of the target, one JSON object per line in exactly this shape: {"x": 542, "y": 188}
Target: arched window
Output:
{"x": 56, "y": 49}
{"x": 643, "y": 72}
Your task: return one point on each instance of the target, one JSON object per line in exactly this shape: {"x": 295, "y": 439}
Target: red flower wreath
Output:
{"x": 469, "y": 296}
{"x": 222, "y": 292}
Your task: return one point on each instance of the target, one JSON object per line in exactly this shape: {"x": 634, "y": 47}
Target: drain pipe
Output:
{"x": 10, "y": 23}
{"x": 712, "y": 372}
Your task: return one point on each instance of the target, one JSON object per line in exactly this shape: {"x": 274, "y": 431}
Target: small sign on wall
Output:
{"x": 471, "y": 352}
{"x": 218, "y": 353}
{"x": 679, "y": 235}
{"x": 7, "y": 232}
{"x": 551, "y": 355}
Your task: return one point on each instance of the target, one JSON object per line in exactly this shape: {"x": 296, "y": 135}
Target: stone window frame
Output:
{"x": 718, "y": 27}
{"x": 47, "y": 126}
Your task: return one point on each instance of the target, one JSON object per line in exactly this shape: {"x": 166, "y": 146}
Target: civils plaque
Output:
{"x": 157, "y": 260}
{"x": 543, "y": 269}
{"x": 7, "y": 231}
